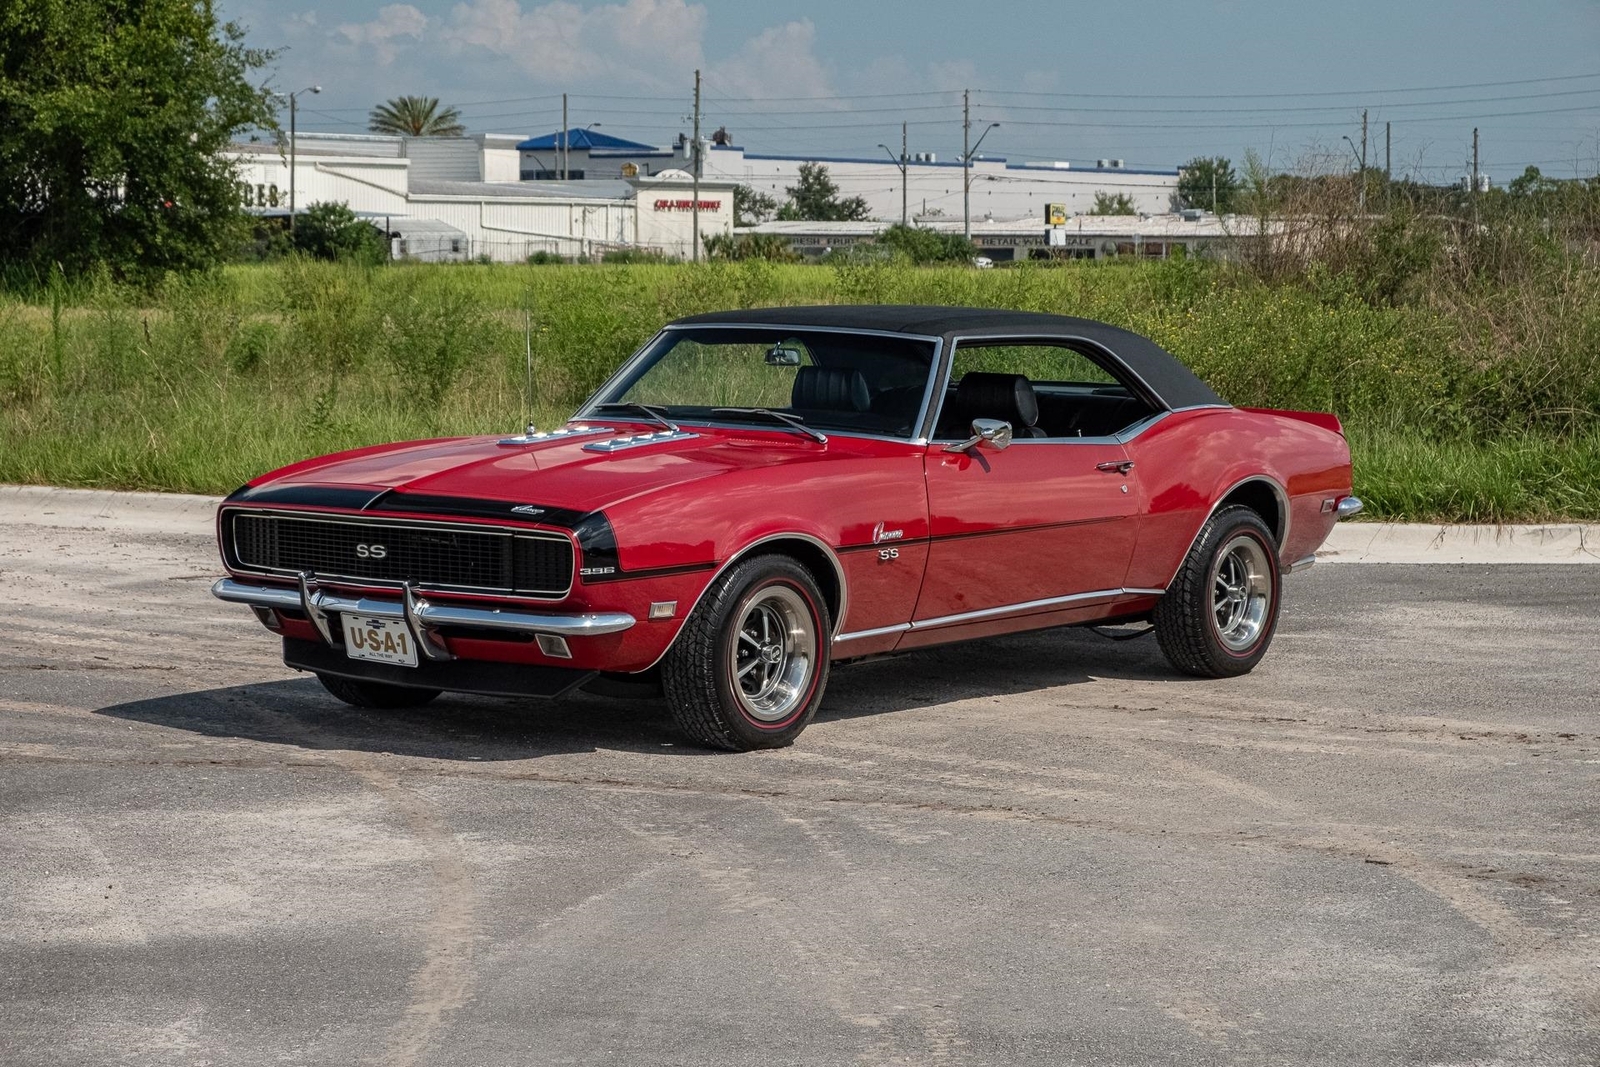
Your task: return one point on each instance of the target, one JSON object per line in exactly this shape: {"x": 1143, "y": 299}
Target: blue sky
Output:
{"x": 1154, "y": 83}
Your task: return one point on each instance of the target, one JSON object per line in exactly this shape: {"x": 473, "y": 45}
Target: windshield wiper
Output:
{"x": 794, "y": 422}
{"x": 654, "y": 414}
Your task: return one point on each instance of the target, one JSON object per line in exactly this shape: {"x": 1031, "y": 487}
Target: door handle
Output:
{"x": 1121, "y": 466}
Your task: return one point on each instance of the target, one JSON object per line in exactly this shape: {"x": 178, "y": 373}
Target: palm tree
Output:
{"x": 415, "y": 116}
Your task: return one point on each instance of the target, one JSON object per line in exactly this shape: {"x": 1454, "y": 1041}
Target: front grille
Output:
{"x": 439, "y": 556}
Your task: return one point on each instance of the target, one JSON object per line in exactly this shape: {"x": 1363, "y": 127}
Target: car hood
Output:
{"x": 549, "y": 473}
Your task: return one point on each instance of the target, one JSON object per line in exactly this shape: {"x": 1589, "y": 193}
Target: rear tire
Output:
{"x": 750, "y": 665}
{"x": 364, "y": 694}
{"x": 1220, "y": 612}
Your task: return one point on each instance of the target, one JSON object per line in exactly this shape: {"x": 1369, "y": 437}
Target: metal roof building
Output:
{"x": 1083, "y": 237}
{"x": 468, "y": 186}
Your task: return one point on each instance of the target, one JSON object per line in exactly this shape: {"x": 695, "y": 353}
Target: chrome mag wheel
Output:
{"x": 1241, "y": 593}
{"x": 774, "y": 651}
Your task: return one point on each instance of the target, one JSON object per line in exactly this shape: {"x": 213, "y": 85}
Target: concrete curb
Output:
{"x": 90, "y": 509}
{"x": 1351, "y": 542}
{"x": 1394, "y": 542}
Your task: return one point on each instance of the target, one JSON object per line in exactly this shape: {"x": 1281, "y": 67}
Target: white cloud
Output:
{"x": 650, "y": 43}
{"x": 778, "y": 62}
{"x": 384, "y": 33}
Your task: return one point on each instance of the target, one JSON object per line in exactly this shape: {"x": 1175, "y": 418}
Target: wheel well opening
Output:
{"x": 816, "y": 560}
{"x": 1261, "y": 498}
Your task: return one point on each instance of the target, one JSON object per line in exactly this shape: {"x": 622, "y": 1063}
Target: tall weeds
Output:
{"x": 1436, "y": 360}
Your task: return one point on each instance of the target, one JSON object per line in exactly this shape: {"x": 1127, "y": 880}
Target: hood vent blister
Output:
{"x": 617, "y": 444}
{"x": 533, "y": 437}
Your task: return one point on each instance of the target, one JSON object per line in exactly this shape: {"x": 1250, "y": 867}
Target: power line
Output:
{"x": 1278, "y": 96}
{"x": 1274, "y": 110}
{"x": 1289, "y": 125}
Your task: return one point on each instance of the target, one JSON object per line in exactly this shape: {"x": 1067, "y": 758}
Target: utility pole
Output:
{"x": 900, "y": 161}
{"x": 905, "y": 216}
{"x": 1213, "y": 189}
{"x": 292, "y": 167}
{"x": 1388, "y": 175}
{"x": 564, "y": 144}
{"x": 966, "y": 163}
{"x": 1363, "y": 197}
{"x": 1474, "y": 174}
{"x": 695, "y": 165}
{"x": 294, "y": 107}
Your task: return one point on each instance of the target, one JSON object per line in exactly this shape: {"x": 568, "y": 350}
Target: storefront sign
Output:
{"x": 688, "y": 205}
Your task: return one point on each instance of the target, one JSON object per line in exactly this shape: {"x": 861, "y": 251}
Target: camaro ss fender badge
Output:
{"x": 886, "y": 554}
{"x": 371, "y": 551}
{"x": 527, "y": 509}
{"x": 880, "y": 535}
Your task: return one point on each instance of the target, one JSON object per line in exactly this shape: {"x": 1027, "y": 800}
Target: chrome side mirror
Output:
{"x": 986, "y": 433}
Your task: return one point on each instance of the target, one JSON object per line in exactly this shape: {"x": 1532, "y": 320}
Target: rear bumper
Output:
{"x": 457, "y": 676}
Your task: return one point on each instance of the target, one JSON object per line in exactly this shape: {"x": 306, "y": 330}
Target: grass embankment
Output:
{"x": 1480, "y": 410}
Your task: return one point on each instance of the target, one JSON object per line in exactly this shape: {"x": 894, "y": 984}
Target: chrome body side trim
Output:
{"x": 997, "y": 612}
{"x": 1300, "y": 564}
{"x": 1015, "y": 609}
{"x": 319, "y": 600}
{"x": 1350, "y": 505}
{"x": 861, "y": 635}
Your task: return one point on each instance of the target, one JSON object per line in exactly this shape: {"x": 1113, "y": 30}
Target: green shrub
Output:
{"x": 922, "y": 246}
{"x": 332, "y": 231}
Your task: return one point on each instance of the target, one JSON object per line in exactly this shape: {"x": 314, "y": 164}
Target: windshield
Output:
{"x": 847, "y": 382}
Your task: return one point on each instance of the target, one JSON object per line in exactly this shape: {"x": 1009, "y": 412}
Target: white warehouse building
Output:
{"x": 460, "y": 198}
{"x": 1001, "y": 190}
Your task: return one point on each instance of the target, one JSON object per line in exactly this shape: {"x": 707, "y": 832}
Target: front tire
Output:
{"x": 1220, "y": 612}
{"x": 750, "y": 665}
{"x": 364, "y": 694}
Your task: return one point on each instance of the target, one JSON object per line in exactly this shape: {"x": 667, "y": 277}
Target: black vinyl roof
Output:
{"x": 1173, "y": 383}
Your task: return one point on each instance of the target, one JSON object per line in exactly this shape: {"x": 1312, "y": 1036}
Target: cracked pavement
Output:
{"x": 1382, "y": 847}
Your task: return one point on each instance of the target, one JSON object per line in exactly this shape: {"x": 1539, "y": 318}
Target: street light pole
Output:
{"x": 294, "y": 106}
{"x": 905, "y": 215}
{"x": 966, "y": 180}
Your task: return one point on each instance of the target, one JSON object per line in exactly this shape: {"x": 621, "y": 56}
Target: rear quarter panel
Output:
{"x": 1189, "y": 460}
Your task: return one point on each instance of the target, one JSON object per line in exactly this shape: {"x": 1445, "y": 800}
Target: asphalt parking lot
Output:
{"x": 1381, "y": 847}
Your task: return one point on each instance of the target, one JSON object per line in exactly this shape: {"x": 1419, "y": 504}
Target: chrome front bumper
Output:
{"x": 422, "y": 617}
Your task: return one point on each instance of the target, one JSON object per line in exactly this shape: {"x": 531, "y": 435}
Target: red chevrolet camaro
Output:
{"x": 756, "y": 494}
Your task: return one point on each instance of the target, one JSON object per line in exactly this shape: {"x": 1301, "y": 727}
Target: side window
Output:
{"x": 1067, "y": 394}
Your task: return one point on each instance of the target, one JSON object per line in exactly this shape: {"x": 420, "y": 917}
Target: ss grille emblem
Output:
{"x": 371, "y": 551}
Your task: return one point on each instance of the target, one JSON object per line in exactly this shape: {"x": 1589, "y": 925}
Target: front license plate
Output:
{"x": 382, "y": 640}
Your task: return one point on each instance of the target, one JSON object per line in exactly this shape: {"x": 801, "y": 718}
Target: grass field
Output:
{"x": 1477, "y": 408}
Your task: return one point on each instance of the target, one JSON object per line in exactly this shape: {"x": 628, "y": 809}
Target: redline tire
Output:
{"x": 364, "y": 694}
{"x": 749, "y": 668}
{"x": 1219, "y": 614}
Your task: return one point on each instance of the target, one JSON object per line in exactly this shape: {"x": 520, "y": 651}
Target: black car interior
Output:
{"x": 1035, "y": 410}
{"x": 1046, "y": 389}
